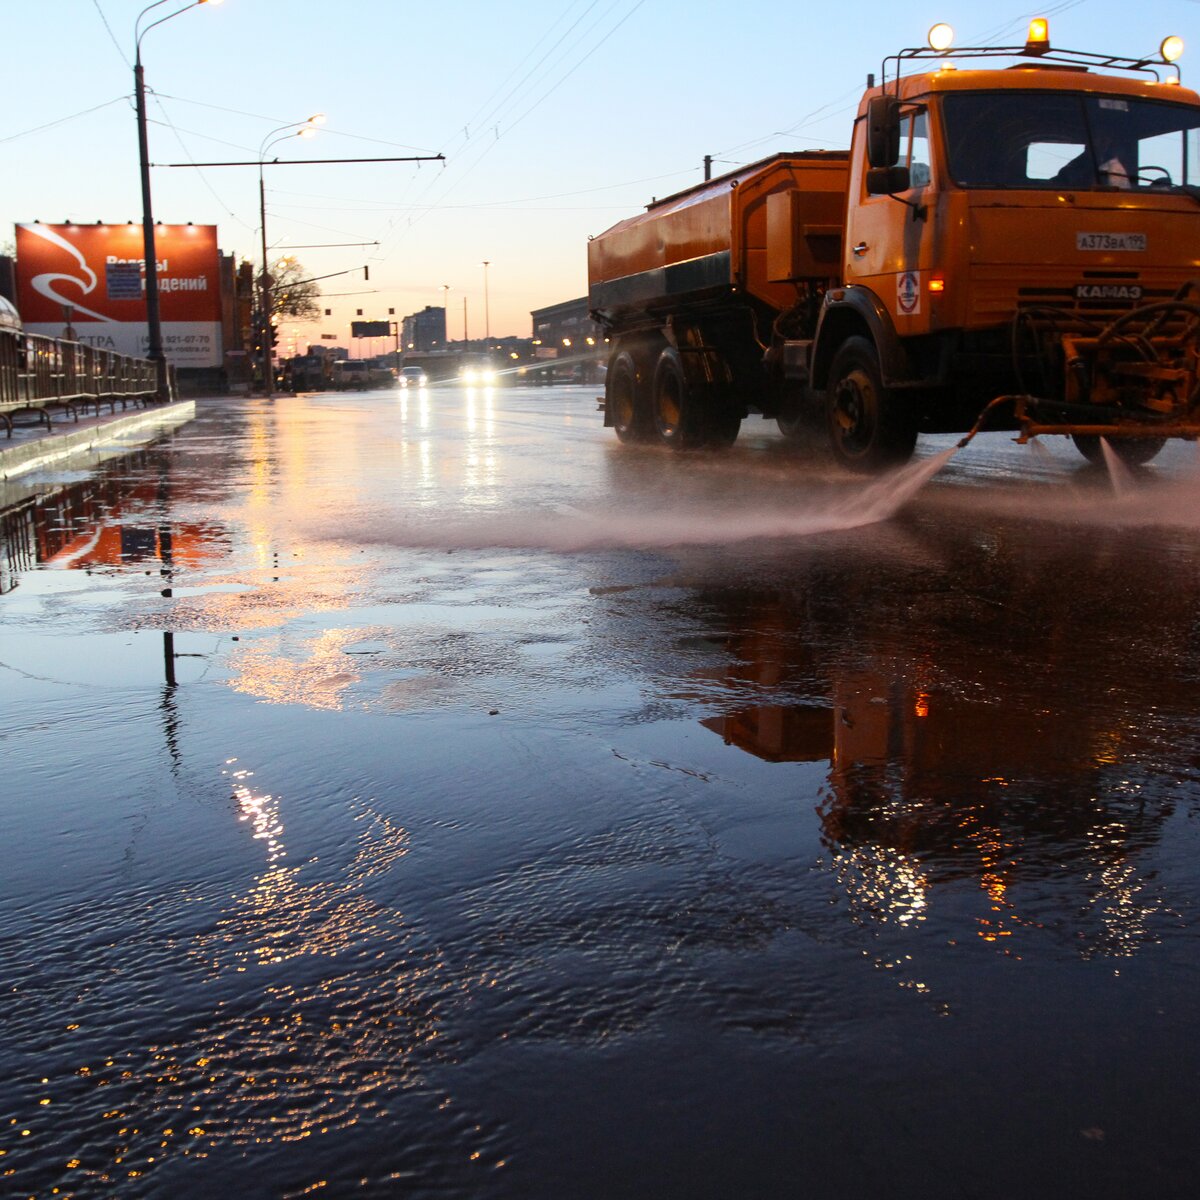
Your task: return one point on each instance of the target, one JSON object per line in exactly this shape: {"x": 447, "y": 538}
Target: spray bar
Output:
{"x": 1189, "y": 431}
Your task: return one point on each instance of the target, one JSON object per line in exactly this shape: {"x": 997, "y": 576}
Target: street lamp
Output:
{"x": 153, "y": 322}
{"x": 487, "y": 318}
{"x": 306, "y": 129}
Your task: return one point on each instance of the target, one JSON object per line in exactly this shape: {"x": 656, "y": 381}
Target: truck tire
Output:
{"x": 623, "y": 400}
{"x": 1133, "y": 452}
{"x": 685, "y": 417}
{"x": 868, "y": 429}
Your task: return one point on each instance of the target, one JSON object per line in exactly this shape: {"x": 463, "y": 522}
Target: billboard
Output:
{"x": 370, "y": 329}
{"x": 92, "y": 278}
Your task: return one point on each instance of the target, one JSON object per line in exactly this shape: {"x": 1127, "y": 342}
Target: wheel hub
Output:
{"x": 848, "y": 412}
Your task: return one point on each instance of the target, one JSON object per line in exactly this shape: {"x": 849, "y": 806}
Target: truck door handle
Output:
{"x": 860, "y": 249}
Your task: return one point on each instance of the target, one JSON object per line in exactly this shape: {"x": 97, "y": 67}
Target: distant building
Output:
{"x": 425, "y": 330}
{"x": 568, "y": 341}
{"x": 237, "y": 303}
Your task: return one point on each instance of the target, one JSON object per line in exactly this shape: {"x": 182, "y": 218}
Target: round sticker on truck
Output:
{"x": 908, "y": 293}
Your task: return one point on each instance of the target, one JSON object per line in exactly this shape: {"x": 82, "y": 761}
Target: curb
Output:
{"x": 133, "y": 430}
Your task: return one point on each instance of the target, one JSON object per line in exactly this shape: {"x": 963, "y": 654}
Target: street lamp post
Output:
{"x": 306, "y": 129}
{"x": 153, "y": 320}
{"x": 487, "y": 316}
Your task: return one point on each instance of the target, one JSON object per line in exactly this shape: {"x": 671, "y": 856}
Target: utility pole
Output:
{"x": 305, "y": 128}
{"x": 153, "y": 322}
{"x": 264, "y": 304}
{"x": 487, "y": 315}
{"x": 153, "y": 319}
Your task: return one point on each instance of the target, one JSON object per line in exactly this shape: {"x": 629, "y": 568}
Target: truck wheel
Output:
{"x": 670, "y": 403}
{"x": 1133, "y": 452}
{"x": 684, "y": 418}
{"x": 868, "y": 429}
{"x": 624, "y": 406}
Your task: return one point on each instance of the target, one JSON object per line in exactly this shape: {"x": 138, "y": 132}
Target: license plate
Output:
{"x": 1110, "y": 241}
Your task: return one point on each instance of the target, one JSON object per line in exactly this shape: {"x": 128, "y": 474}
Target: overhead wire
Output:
{"x": 475, "y": 119}
{"x": 550, "y": 91}
{"x": 493, "y": 113}
{"x": 501, "y": 204}
{"x": 112, "y": 36}
{"x": 325, "y": 129}
{"x": 1014, "y": 23}
{"x": 1020, "y": 22}
{"x": 497, "y": 112}
{"x": 12, "y": 137}
{"x": 199, "y": 171}
{"x": 446, "y": 149}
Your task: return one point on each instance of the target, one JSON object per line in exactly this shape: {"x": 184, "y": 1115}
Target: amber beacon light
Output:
{"x": 1038, "y": 41}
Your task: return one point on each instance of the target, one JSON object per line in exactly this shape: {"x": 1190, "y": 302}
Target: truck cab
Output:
{"x": 998, "y": 223}
{"x": 1010, "y": 246}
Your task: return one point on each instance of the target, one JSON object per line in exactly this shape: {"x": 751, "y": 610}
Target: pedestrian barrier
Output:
{"x": 40, "y": 373}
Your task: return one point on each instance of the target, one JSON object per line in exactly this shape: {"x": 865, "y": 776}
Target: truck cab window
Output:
{"x": 1044, "y": 160}
{"x": 1044, "y": 139}
{"x": 914, "y": 146}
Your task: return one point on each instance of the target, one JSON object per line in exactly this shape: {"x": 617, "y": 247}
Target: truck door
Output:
{"x": 889, "y": 247}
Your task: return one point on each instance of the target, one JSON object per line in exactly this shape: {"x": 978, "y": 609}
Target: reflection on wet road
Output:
{"x": 422, "y": 795}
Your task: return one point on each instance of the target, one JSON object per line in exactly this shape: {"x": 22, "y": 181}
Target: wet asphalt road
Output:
{"x": 422, "y": 795}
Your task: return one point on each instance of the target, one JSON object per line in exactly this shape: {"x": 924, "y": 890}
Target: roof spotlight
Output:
{"x": 1171, "y": 48}
{"x": 940, "y": 37}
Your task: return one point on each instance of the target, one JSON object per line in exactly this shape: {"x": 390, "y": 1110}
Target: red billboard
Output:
{"x": 92, "y": 278}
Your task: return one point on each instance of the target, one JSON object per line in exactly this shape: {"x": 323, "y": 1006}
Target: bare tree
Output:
{"x": 293, "y": 294}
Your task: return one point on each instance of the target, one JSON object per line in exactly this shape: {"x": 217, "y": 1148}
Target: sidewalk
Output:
{"x": 33, "y": 446}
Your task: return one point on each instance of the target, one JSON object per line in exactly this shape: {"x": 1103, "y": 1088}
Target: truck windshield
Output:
{"x": 1059, "y": 140}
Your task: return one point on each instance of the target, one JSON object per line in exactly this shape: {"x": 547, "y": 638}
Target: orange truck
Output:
{"x": 1012, "y": 246}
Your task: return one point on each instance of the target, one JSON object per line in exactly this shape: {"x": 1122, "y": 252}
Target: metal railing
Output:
{"x": 38, "y": 373}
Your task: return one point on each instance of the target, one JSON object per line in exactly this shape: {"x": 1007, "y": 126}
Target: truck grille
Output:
{"x": 1094, "y": 297}
{"x": 1099, "y": 295}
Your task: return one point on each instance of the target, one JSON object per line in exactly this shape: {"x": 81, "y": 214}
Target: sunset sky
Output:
{"x": 556, "y": 120}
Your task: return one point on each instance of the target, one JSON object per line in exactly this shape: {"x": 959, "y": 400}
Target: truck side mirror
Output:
{"x": 883, "y": 131}
{"x": 887, "y": 181}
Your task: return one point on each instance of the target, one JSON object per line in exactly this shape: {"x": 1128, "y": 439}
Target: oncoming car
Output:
{"x": 413, "y": 377}
{"x": 480, "y": 373}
